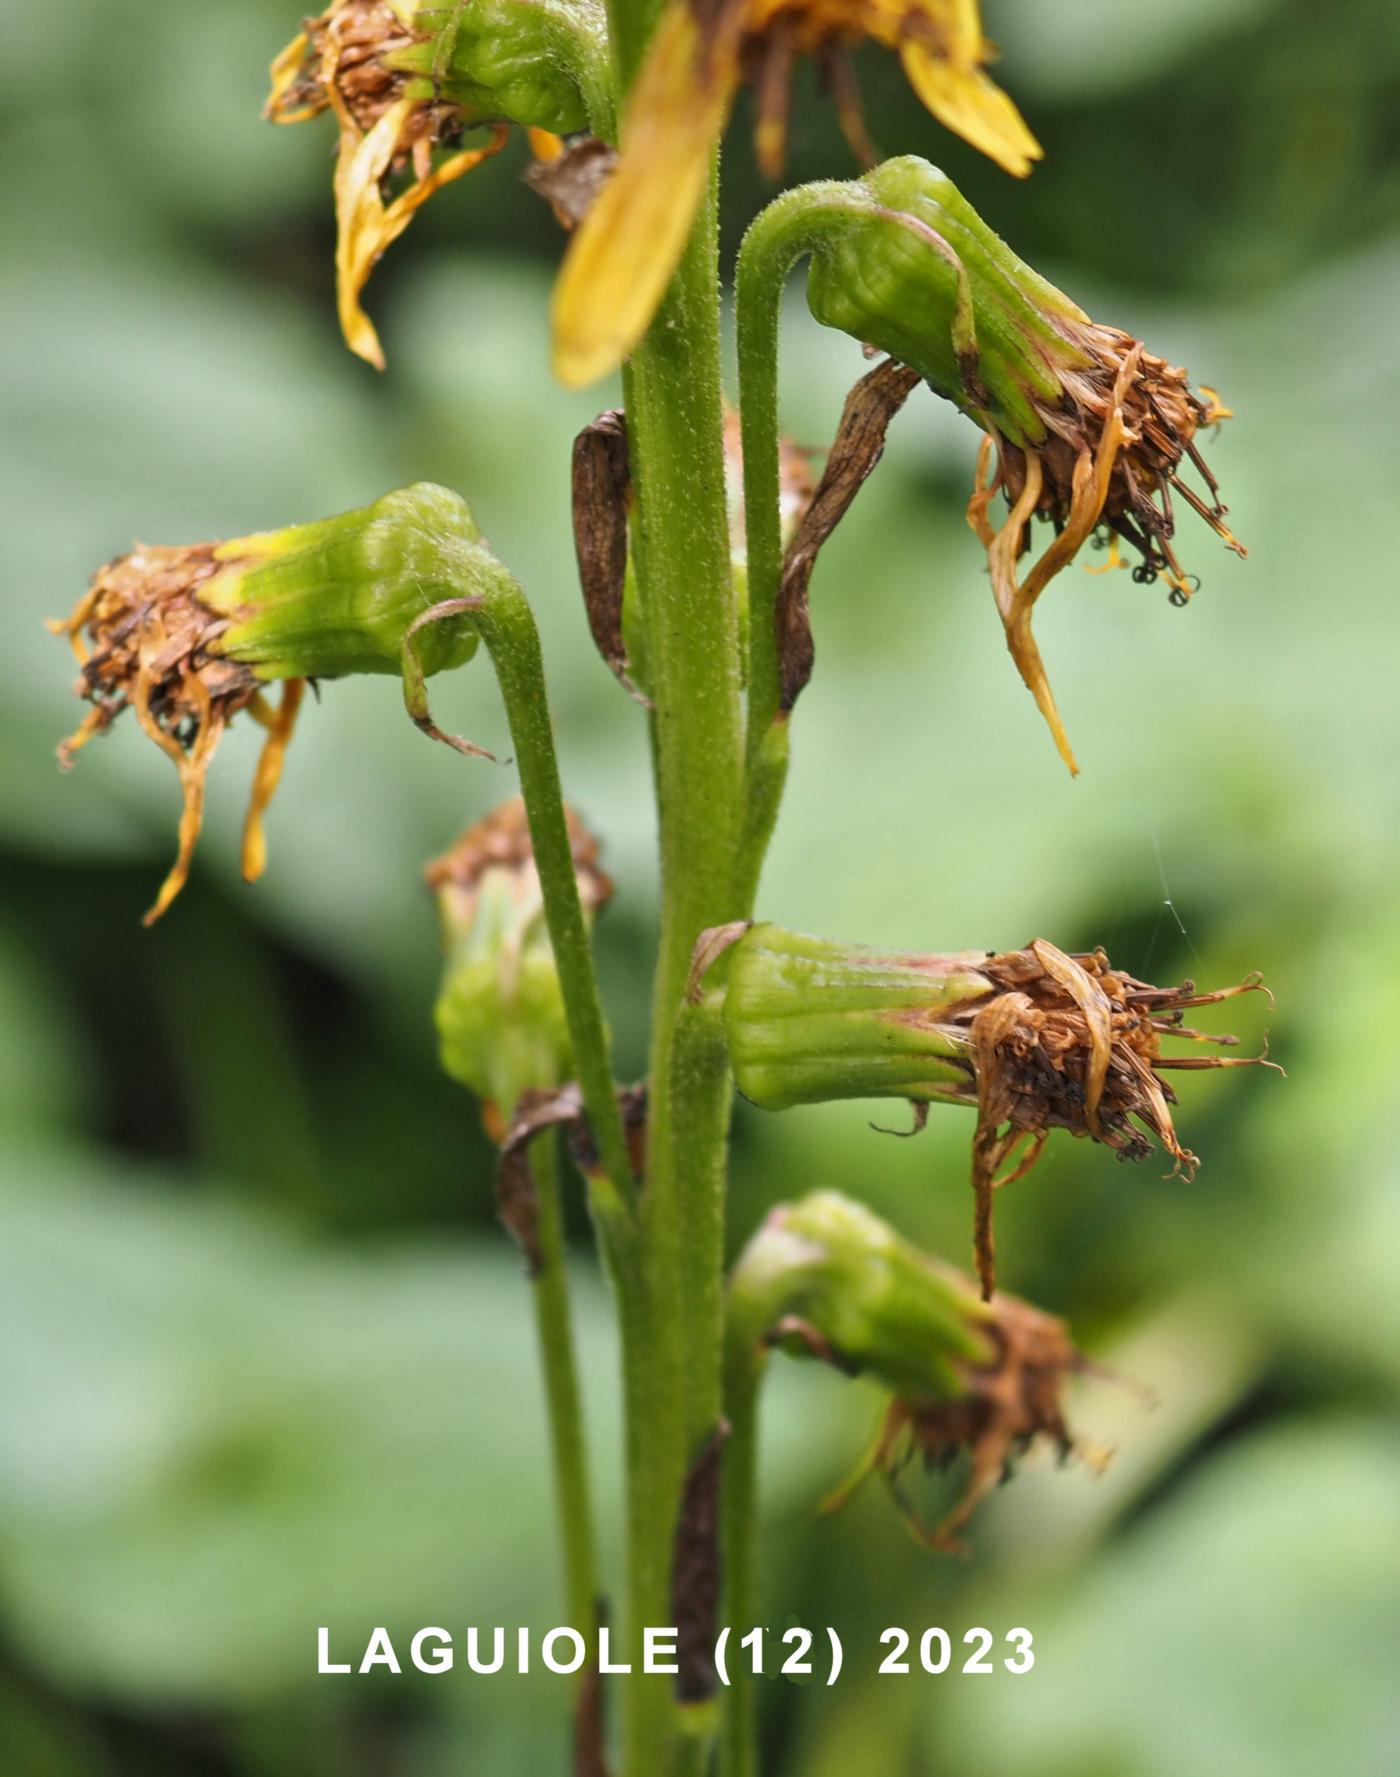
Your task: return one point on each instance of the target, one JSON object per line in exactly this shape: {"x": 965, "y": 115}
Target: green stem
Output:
{"x": 572, "y": 1491}
{"x": 680, "y": 537}
{"x": 793, "y": 226}
{"x": 507, "y": 626}
{"x": 744, "y": 1361}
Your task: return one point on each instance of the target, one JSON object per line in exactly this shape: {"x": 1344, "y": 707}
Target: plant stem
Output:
{"x": 680, "y": 537}
{"x": 744, "y": 1362}
{"x": 507, "y": 626}
{"x": 791, "y": 227}
{"x": 572, "y": 1491}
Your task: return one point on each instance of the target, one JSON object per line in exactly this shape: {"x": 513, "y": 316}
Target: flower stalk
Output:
{"x": 503, "y": 1033}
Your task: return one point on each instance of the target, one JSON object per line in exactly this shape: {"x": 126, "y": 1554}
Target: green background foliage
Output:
{"x": 265, "y": 1358}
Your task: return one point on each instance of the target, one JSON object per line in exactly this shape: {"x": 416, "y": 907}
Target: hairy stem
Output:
{"x": 507, "y": 626}
{"x": 744, "y": 1361}
{"x": 572, "y": 1491}
{"x": 792, "y": 227}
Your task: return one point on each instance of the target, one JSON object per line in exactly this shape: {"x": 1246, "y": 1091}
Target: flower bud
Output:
{"x": 189, "y": 637}
{"x": 1032, "y": 1039}
{"x": 826, "y": 1278}
{"x": 500, "y": 1012}
{"x": 1091, "y": 431}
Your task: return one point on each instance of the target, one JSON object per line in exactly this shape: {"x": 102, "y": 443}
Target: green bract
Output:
{"x": 892, "y": 287}
{"x": 539, "y": 63}
{"x": 856, "y": 1286}
{"x": 319, "y": 601}
{"x": 810, "y": 1020}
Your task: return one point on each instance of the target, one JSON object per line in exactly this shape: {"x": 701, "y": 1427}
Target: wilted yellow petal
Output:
{"x": 624, "y": 253}
{"x": 365, "y": 225}
{"x": 965, "y": 101}
{"x": 284, "y": 71}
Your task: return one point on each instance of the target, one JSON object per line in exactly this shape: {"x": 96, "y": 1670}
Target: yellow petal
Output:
{"x": 623, "y": 255}
{"x": 365, "y": 225}
{"x": 284, "y": 71}
{"x": 965, "y": 101}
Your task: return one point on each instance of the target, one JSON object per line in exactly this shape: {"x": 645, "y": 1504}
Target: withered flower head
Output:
{"x": 500, "y": 843}
{"x": 1006, "y": 1404}
{"x": 1033, "y": 1039}
{"x": 146, "y": 637}
{"x": 1114, "y": 447}
{"x": 826, "y": 1278}
{"x": 622, "y": 258}
{"x": 1069, "y": 1042}
{"x": 393, "y": 125}
{"x": 189, "y": 637}
{"x": 1090, "y": 431}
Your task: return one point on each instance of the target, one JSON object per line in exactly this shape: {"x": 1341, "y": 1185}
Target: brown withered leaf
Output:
{"x": 695, "y": 1572}
{"x": 561, "y": 1108}
{"x": 602, "y": 498}
{"x": 858, "y": 446}
{"x": 590, "y": 1744}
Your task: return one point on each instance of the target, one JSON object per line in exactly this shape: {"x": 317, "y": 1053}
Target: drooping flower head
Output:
{"x": 825, "y": 1278}
{"x": 407, "y": 81}
{"x": 1033, "y": 1040}
{"x": 1086, "y": 429}
{"x": 191, "y": 637}
{"x": 703, "y": 50}
{"x": 392, "y": 127}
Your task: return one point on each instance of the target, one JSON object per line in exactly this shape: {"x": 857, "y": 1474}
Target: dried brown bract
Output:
{"x": 695, "y": 1572}
{"x": 857, "y": 448}
{"x": 602, "y": 501}
{"x": 1116, "y": 443}
{"x": 569, "y": 174}
{"x": 145, "y": 639}
{"x": 558, "y": 1108}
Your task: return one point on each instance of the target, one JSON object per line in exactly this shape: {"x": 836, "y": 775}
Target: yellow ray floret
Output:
{"x": 365, "y": 224}
{"x": 623, "y": 254}
{"x": 626, "y": 251}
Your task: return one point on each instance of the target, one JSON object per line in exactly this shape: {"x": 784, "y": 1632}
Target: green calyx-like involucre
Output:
{"x": 946, "y": 296}
{"x": 540, "y": 63}
{"x": 809, "y": 1020}
{"x": 828, "y": 1278}
{"x": 340, "y": 596}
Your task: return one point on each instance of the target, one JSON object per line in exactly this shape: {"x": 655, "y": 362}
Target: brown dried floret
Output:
{"x": 1107, "y": 468}
{"x": 501, "y": 840}
{"x": 1006, "y": 1404}
{"x": 1069, "y": 1042}
{"x": 145, "y": 639}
